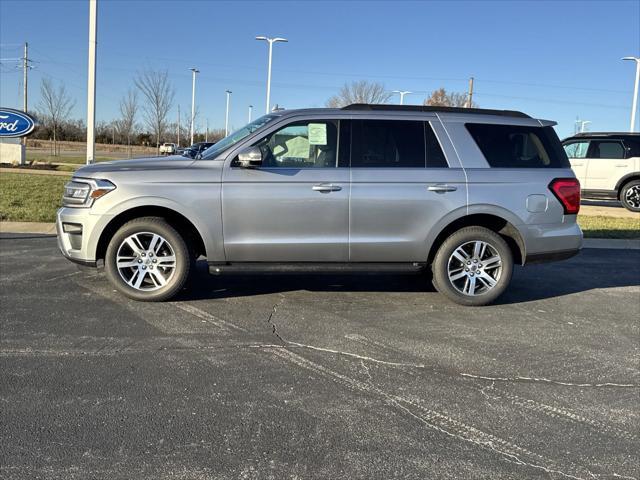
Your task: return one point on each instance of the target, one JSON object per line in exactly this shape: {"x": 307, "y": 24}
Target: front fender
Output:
{"x": 208, "y": 225}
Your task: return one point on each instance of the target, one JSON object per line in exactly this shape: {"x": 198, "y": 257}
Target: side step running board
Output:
{"x": 283, "y": 268}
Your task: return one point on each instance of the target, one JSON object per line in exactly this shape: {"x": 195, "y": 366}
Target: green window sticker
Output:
{"x": 317, "y": 134}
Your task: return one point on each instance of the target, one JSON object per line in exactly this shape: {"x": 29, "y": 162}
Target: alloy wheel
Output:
{"x": 632, "y": 196}
{"x": 146, "y": 261}
{"x": 474, "y": 268}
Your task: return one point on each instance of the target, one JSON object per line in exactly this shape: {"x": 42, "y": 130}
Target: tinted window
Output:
{"x": 513, "y": 146}
{"x": 308, "y": 144}
{"x": 576, "y": 149}
{"x": 387, "y": 143}
{"x": 604, "y": 149}
{"x": 435, "y": 155}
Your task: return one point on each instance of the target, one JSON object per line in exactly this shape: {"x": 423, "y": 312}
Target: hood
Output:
{"x": 171, "y": 162}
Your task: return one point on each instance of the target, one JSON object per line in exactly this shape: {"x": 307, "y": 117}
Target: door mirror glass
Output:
{"x": 250, "y": 157}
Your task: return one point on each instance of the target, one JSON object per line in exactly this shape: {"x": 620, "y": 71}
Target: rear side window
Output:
{"x": 514, "y": 146}
{"x": 394, "y": 144}
{"x": 606, "y": 149}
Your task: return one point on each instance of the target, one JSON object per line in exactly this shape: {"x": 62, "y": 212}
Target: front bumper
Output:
{"x": 79, "y": 234}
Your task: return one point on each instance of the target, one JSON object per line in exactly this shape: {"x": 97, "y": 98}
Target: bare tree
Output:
{"x": 361, "y": 91}
{"x": 128, "y": 110}
{"x": 159, "y": 94}
{"x": 185, "y": 124}
{"x": 55, "y": 107}
{"x": 440, "y": 98}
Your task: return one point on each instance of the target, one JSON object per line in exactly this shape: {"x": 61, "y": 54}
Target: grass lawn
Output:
{"x": 30, "y": 198}
{"x": 607, "y": 227}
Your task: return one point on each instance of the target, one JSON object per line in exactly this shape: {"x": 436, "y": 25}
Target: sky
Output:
{"x": 557, "y": 60}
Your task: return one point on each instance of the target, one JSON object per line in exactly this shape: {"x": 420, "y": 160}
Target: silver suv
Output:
{"x": 465, "y": 193}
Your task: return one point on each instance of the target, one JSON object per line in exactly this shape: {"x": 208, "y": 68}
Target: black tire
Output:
{"x": 630, "y": 196}
{"x": 176, "y": 242}
{"x": 485, "y": 294}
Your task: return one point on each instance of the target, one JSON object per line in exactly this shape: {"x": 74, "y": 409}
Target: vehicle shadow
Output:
{"x": 592, "y": 269}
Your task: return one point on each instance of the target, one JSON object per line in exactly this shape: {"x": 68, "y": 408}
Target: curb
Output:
{"x": 50, "y": 229}
{"x": 34, "y": 171}
{"x": 36, "y": 228}
{"x": 617, "y": 244}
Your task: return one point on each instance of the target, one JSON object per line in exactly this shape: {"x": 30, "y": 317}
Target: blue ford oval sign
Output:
{"x": 14, "y": 123}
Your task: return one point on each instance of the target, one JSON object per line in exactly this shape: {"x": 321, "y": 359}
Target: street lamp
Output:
{"x": 226, "y": 115}
{"x": 250, "y": 112}
{"x": 193, "y": 99}
{"x": 402, "y": 94}
{"x": 635, "y": 92}
{"x": 271, "y": 41}
{"x": 581, "y": 124}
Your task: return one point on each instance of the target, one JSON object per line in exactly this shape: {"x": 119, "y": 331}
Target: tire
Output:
{"x": 630, "y": 196}
{"x": 155, "y": 260}
{"x": 472, "y": 282}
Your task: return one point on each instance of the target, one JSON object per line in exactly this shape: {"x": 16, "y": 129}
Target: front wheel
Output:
{"x": 148, "y": 260}
{"x": 630, "y": 196}
{"x": 473, "y": 266}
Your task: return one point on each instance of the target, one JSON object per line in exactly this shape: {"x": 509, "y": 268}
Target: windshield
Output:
{"x": 236, "y": 136}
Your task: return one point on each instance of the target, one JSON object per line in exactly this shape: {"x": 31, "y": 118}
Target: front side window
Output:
{"x": 576, "y": 149}
{"x": 605, "y": 149}
{"x": 515, "y": 146}
{"x": 306, "y": 144}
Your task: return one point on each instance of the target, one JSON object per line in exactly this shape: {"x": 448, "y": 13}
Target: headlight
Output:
{"x": 82, "y": 192}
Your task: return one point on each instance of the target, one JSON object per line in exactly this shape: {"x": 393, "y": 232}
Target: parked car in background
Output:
{"x": 168, "y": 148}
{"x": 607, "y": 165}
{"x": 197, "y": 148}
{"x": 465, "y": 193}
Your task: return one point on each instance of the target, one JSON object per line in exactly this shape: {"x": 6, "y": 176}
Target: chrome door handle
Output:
{"x": 326, "y": 187}
{"x": 440, "y": 188}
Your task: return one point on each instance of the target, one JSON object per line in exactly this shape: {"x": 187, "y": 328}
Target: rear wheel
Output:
{"x": 630, "y": 196}
{"x": 473, "y": 266}
{"x": 148, "y": 260}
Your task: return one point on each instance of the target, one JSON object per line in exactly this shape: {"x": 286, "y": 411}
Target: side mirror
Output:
{"x": 250, "y": 157}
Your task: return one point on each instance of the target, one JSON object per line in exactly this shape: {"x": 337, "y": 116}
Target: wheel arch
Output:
{"x": 626, "y": 179}
{"x": 497, "y": 223}
{"x": 173, "y": 217}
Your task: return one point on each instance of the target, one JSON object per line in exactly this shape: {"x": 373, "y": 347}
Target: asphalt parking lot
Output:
{"x": 319, "y": 376}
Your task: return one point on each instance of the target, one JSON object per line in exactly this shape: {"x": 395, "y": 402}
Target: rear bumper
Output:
{"x": 550, "y": 256}
{"x": 551, "y": 242}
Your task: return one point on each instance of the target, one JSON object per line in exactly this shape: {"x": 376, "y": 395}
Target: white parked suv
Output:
{"x": 607, "y": 165}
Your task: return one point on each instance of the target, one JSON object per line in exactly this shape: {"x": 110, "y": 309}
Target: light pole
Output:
{"x": 250, "y": 112}
{"x": 402, "y": 94}
{"x": 91, "y": 81}
{"x": 226, "y": 115}
{"x": 193, "y": 99}
{"x": 635, "y": 93}
{"x": 581, "y": 124}
{"x": 271, "y": 41}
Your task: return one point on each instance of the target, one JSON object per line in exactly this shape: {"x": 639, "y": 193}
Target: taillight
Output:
{"x": 567, "y": 190}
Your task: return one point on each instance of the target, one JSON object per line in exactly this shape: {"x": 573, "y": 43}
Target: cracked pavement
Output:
{"x": 318, "y": 376}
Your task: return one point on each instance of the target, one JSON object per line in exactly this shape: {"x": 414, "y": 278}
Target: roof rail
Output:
{"x": 426, "y": 108}
{"x": 607, "y": 134}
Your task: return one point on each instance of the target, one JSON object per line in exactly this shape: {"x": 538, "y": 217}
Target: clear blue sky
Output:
{"x": 551, "y": 59}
